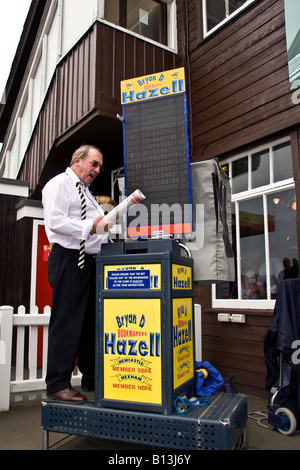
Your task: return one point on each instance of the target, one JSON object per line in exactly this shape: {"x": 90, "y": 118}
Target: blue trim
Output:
{"x": 187, "y": 144}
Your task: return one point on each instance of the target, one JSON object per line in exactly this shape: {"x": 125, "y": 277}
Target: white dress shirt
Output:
{"x": 62, "y": 213}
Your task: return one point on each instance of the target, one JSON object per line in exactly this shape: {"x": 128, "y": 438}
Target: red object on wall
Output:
{"x": 43, "y": 295}
{"x": 43, "y": 289}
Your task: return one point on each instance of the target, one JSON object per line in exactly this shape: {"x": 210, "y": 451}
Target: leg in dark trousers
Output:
{"x": 86, "y": 349}
{"x": 70, "y": 297}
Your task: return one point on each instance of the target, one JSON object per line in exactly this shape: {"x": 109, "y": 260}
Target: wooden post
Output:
{"x": 6, "y": 324}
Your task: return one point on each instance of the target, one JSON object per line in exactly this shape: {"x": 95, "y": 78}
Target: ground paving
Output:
{"x": 20, "y": 429}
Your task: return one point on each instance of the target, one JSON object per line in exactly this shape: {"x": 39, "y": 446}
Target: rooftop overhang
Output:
{"x": 104, "y": 132}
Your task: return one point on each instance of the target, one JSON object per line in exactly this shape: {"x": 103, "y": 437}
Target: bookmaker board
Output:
{"x": 156, "y": 152}
{"x": 145, "y": 327}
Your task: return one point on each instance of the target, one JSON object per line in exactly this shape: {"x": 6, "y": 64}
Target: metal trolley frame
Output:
{"x": 219, "y": 425}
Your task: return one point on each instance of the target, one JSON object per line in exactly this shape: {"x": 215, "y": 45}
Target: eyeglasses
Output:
{"x": 96, "y": 164}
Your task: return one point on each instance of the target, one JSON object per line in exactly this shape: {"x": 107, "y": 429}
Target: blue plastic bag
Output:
{"x": 206, "y": 387}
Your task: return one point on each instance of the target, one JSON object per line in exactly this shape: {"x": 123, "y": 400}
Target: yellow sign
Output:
{"x": 132, "y": 350}
{"x": 183, "y": 353}
{"x": 134, "y": 276}
{"x": 157, "y": 85}
{"x": 181, "y": 277}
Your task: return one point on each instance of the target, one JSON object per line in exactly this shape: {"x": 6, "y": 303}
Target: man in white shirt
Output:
{"x": 72, "y": 216}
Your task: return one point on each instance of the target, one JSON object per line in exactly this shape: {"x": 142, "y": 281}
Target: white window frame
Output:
{"x": 262, "y": 191}
{"x": 172, "y": 26}
{"x": 228, "y": 16}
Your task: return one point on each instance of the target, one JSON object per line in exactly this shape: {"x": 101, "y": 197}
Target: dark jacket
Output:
{"x": 283, "y": 331}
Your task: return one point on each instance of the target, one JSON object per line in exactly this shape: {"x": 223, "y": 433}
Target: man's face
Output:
{"x": 88, "y": 168}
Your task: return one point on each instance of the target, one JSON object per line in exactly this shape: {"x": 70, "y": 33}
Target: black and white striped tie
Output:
{"x": 83, "y": 216}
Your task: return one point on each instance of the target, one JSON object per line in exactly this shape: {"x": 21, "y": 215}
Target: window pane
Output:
{"x": 283, "y": 249}
{"x": 235, "y": 4}
{"x": 282, "y": 237}
{"x": 283, "y": 168}
{"x": 260, "y": 169}
{"x": 261, "y": 272}
{"x": 145, "y": 17}
{"x": 252, "y": 242}
{"x": 111, "y": 11}
{"x": 216, "y": 12}
{"x": 228, "y": 290}
{"x": 240, "y": 175}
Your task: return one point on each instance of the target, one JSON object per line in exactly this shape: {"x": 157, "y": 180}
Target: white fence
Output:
{"x": 24, "y": 336}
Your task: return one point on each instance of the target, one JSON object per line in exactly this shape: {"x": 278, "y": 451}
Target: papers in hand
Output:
{"x": 135, "y": 198}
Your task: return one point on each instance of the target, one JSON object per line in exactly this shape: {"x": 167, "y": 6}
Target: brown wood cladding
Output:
{"x": 239, "y": 80}
{"x": 15, "y": 255}
{"x": 237, "y": 348}
{"x": 240, "y": 95}
{"x": 88, "y": 80}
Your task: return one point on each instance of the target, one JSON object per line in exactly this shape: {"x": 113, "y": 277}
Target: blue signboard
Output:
{"x": 135, "y": 279}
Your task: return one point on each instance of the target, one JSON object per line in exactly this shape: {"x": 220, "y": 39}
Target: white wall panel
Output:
{"x": 82, "y": 15}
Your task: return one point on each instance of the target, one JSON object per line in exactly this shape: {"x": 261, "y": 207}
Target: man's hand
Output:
{"x": 100, "y": 226}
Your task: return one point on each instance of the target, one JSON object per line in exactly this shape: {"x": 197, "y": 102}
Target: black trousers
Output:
{"x": 72, "y": 322}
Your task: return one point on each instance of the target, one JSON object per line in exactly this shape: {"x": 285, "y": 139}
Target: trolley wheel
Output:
{"x": 290, "y": 428}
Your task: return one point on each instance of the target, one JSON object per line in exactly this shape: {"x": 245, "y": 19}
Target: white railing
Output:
{"x": 20, "y": 335}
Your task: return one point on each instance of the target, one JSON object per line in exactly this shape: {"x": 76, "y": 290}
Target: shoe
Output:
{"x": 69, "y": 395}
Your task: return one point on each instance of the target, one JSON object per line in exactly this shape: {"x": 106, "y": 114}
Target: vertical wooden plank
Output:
{"x": 47, "y": 311}
{"x": 20, "y": 341}
{"x": 6, "y": 322}
{"x": 32, "y": 347}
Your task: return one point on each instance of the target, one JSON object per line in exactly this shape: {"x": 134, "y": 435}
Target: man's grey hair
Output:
{"x": 83, "y": 151}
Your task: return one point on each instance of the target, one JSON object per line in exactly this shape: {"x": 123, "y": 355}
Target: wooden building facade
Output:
{"x": 240, "y": 110}
{"x": 241, "y": 102}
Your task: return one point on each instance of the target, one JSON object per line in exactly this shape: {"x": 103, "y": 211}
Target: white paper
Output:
{"x": 135, "y": 198}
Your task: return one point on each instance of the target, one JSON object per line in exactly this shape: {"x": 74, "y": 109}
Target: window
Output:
{"x": 148, "y": 18}
{"x": 263, "y": 225}
{"x": 217, "y": 12}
